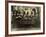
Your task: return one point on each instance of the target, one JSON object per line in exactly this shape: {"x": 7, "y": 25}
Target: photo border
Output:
{"x": 6, "y": 18}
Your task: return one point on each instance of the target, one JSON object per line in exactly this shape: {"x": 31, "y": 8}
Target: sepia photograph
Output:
{"x": 25, "y": 18}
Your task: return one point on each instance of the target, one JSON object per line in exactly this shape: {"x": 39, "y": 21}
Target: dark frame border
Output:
{"x": 6, "y": 17}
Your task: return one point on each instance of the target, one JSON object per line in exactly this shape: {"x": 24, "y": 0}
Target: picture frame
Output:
{"x": 24, "y": 31}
